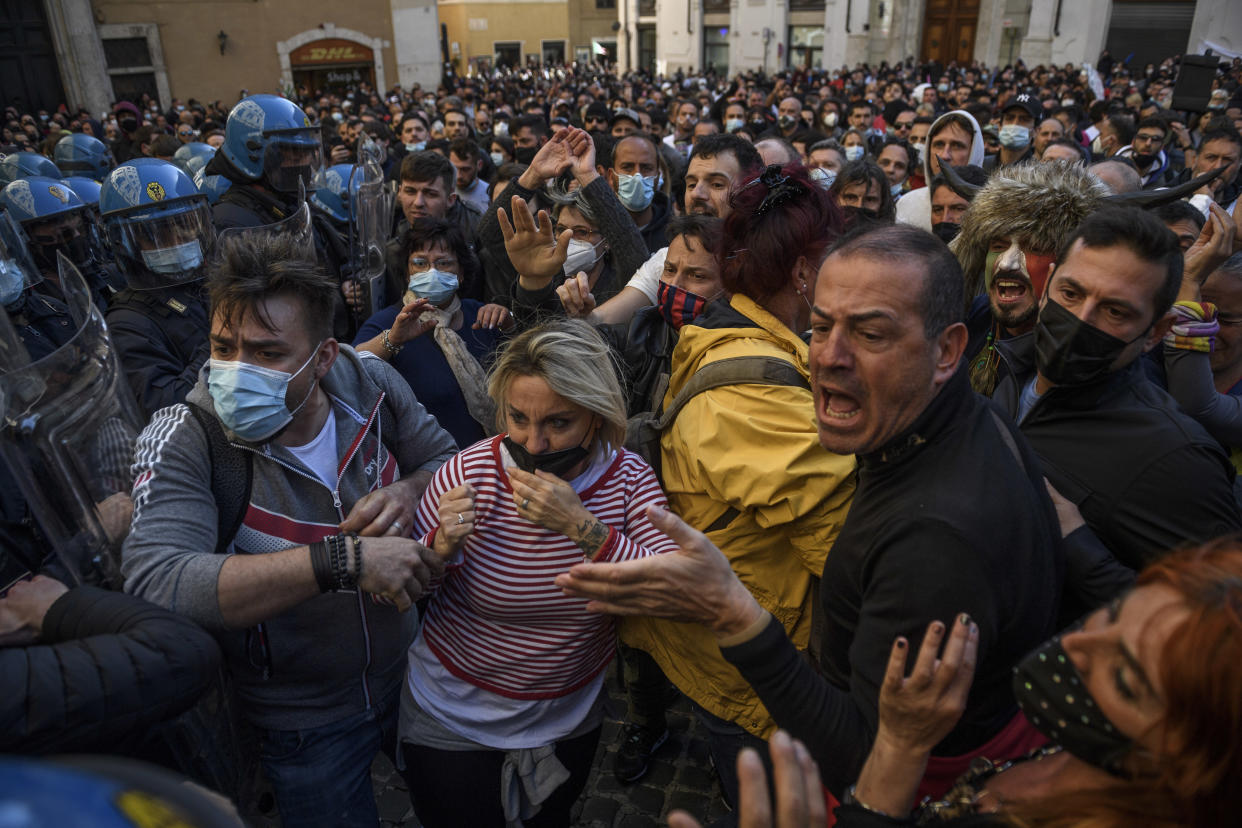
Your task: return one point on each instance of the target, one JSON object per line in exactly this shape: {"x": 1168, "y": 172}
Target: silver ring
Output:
{"x": 460, "y": 519}
{"x": 526, "y": 503}
{"x": 396, "y": 524}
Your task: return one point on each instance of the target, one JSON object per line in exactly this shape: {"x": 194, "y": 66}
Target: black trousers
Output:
{"x": 461, "y": 788}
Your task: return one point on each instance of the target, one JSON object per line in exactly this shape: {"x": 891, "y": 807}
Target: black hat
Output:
{"x": 1027, "y": 101}
{"x": 598, "y": 110}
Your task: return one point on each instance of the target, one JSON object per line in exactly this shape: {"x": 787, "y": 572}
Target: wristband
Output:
{"x": 392, "y": 349}
{"x": 321, "y": 563}
{"x": 357, "y": 542}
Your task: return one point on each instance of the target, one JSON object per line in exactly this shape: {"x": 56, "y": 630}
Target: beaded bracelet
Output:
{"x": 357, "y": 541}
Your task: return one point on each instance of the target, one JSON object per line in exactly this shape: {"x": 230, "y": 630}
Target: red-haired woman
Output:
{"x": 742, "y": 462}
{"x": 1142, "y": 704}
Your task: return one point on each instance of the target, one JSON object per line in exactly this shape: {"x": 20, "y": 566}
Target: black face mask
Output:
{"x": 1052, "y": 695}
{"x": 1144, "y": 159}
{"x": 759, "y": 125}
{"x": 553, "y": 462}
{"x": 946, "y": 231}
{"x": 1070, "y": 352}
{"x": 861, "y": 216}
{"x": 128, "y": 124}
{"x": 524, "y": 155}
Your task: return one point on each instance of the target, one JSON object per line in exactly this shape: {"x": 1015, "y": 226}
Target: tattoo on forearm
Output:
{"x": 591, "y": 536}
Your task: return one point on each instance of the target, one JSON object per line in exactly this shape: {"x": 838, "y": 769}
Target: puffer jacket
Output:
{"x": 743, "y": 464}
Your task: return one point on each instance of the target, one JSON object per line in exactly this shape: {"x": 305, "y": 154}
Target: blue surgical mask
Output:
{"x": 250, "y": 399}
{"x": 436, "y": 285}
{"x": 636, "y": 191}
{"x": 734, "y": 123}
{"x": 176, "y": 259}
{"x": 12, "y": 282}
{"x": 416, "y": 147}
{"x": 498, "y": 158}
{"x": 895, "y": 189}
{"x": 1013, "y": 136}
{"x": 855, "y": 152}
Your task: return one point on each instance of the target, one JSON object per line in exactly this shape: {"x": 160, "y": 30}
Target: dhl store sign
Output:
{"x": 332, "y": 62}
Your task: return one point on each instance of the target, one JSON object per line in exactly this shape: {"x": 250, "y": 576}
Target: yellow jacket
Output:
{"x": 753, "y": 449}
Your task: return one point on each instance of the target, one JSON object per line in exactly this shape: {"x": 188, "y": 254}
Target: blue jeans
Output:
{"x": 725, "y": 741}
{"x": 322, "y": 776}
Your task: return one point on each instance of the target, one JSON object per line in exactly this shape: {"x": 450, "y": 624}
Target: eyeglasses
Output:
{"x": 582, "y": 234}
{"x": 439, "y": 264}
{"x": 1148, "y": 138}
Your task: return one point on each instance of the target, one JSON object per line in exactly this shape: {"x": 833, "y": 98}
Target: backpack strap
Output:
{"x": 754, "y": 370}
{"x": 232, "y": 473}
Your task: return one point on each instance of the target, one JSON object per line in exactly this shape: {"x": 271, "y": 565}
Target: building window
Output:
{"x": 553, "y": 52}
{"x": 605, "y": 4}
{"x": 806, "y": 47}
{"x": 716, "y": 49}
{"x": 647, "y": 48}
{"x": 135, "y": 61}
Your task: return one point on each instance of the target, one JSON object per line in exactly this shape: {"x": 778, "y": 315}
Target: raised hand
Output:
{"x": 919, "y": 710}
{"x": 576, "y": 297}
{"x": 534, "y": 250}
{"x": 553, "y": 158}
{"x": 799, "y": 797}
{"x": 407, "y": 325}
{"x": 493, "y": 315}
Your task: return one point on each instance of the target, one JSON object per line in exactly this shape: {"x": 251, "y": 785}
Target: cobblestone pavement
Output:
{"x": 681, "y": 776}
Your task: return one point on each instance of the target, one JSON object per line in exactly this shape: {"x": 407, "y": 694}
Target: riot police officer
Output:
{"x": 158, "y": 225}
{"x": 82, "y": 154}
{"x": 54, "y": 219}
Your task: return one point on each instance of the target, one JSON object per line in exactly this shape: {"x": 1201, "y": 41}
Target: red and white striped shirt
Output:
{"x": 498, "y": 621}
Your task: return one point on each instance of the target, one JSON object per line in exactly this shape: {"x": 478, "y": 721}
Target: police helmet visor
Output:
{"x": 292, "y": 158}
{"x": 163, "y": 246}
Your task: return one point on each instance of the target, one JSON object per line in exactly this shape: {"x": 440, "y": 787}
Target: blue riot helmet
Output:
{"x": 193, "y": 156}
{"x": 53, "y": 219}
{"x": 25, "y": 164}
{"x": 17, "y": 268}
{"x": 212, "y": 186}
{"x": 83, "y": 154}
{"x": 271, "y": 138}
{"x": 86, "y": 188}
{"x": 330, "y": 192}
{"x": 157, "y": 223}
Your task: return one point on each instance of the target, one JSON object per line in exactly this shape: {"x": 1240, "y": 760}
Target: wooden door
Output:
{"x": 949, "y": 30}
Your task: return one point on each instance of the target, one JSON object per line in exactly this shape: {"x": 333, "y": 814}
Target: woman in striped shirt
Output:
{"x": 501, "y": 711}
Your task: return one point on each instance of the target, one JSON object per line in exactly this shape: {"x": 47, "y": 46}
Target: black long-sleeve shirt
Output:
{"x": 949, "y": 517}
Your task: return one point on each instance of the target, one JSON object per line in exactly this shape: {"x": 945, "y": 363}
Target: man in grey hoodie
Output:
{"x": 954, "y": 138}
{"x": 248, "y": 502}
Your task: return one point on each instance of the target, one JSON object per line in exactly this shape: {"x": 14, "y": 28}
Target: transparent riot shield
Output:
{"x": 370, "y": 222}
{"x": 297, "y": 225}
{"x": 69, "y": 429}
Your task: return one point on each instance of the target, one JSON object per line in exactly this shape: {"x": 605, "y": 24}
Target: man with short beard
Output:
{"x": 1008, "y": 239}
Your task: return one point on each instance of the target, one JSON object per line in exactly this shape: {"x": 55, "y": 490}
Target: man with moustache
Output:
{"x": 1008, "y": 239}
{"x": 885, "y": 357}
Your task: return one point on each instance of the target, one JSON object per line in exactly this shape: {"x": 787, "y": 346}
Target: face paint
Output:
{"x": 1034, "y": 266}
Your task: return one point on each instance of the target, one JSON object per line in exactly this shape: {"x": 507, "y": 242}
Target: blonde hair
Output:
{"x": 571, "y": 357}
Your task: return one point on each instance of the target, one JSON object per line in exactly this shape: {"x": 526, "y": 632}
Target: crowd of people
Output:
{"x": 890, "y": 415}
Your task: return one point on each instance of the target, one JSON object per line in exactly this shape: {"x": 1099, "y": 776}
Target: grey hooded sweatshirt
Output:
{"x": 915, "y": 206}
{"x": 338, "y": 653}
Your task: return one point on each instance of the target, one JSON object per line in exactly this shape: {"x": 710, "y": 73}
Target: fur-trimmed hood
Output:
{"x": 1040, "y": 203}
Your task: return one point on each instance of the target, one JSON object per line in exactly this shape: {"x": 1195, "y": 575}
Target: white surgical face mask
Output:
{"x": 498, "y": 158}
{"x": 921, "y": 149}
{"x": 855, "y": 152}
{"x": 580, "y": 256}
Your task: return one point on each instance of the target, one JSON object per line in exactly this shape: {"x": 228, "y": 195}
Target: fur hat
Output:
{"x": 1039, "y": 203}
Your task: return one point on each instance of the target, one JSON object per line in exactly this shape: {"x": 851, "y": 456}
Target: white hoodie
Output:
{"x": 915, "y": 206}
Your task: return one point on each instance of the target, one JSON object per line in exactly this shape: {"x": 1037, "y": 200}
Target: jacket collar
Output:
{"x": 1019, "y": 355}
{"x": 944, "y": 412}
